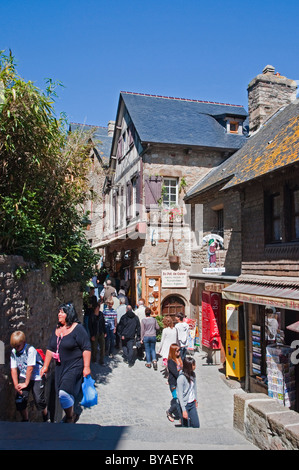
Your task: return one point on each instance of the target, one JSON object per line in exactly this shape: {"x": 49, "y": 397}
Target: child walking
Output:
{"x": 25, "y": 373}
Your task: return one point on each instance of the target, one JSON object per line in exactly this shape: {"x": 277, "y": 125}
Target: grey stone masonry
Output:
{"x": 267, "y": 93}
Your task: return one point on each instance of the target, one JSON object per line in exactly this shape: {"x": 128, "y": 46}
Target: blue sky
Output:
{"x": 206, "y": 50}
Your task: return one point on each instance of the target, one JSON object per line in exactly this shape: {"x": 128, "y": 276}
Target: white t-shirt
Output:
{"x": 183, "y": 330}
{"x": 191, "y": 396}
{"x": 22, "y": 360}
{"x": 140, "y": 312}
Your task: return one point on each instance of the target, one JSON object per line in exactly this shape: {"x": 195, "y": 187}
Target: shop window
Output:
{"x": 266, "y": 329}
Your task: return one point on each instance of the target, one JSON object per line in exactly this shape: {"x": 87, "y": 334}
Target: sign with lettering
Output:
{"x": 214, "y": 244}
{"x": 174, "y": 279}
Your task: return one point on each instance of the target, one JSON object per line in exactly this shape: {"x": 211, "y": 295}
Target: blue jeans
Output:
{"x": 128, "y": 350}
{"x": 183, "y": 353}
{"x": 193, "y": 420}
{"x": 150, "y": 348}
{"x": 110, "y": 340}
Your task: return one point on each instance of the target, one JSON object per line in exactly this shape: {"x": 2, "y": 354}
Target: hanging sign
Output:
{"x": 214, "y": 243}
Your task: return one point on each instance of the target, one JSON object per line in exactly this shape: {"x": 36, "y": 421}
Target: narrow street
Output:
{"x": 137, "y": 398}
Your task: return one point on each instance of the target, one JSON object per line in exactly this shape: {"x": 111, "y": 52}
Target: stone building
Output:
{"x": 99, "y": 163}
{"x": 268, "y": 286}
{"x": 161, "y": 147}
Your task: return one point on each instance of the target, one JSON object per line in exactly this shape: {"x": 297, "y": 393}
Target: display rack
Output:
{"x": 281, "y": 375}
{"x": 256, "y": 350}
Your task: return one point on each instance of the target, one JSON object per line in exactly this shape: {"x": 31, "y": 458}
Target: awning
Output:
{"x": 274, "y": 292}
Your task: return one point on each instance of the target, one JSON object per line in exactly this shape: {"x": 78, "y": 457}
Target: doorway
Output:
{"x": 173, "y": 305}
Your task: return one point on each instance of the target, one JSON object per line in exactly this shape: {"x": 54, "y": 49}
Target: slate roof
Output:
{"x": 102, "y": 141}
{"x": 274, "y": 146}
{"x": 165, "y": 120}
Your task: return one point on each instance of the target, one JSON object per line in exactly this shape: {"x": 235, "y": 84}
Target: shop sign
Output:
{"x": 214, "y": 244}
{"x": 174, "y": 279}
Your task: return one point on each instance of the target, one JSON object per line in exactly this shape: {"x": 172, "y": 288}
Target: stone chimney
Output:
{"x": 111, "y": 126}
{"x": 267, "y": 93}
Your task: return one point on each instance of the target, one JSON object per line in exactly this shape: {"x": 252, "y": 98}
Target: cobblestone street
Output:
{"x": 131, "y": 415}
{"x": 138, "y": 398}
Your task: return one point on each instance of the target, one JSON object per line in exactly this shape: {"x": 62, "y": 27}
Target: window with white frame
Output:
{"x": 170, "y": 192}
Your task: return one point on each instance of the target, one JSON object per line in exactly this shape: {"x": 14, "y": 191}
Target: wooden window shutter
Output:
{"x": 138, "y": 189}
{"x": 153, "y": 191}
{"x": 119, "y": 152}
{"x": 138, "y": 193}
{"x": 114, "y": 204}
{"x": 131, "y": 132}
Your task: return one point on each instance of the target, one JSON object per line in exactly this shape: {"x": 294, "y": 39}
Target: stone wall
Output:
{"x": 231, "y": 255}
{"x": 28, "y": 303}
{"x": 272, "y": 259}
{"x": 265, "y": 422}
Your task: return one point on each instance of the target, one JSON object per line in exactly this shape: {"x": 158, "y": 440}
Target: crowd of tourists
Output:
{"x": 110, "y": 323}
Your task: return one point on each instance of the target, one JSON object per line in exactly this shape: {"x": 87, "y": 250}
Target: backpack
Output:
{"x": 40, "y": 356}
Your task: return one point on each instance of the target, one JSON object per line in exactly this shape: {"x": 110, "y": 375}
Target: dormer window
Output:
{"x": 233, "y": 126}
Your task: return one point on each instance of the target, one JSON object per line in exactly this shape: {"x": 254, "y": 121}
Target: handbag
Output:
{"x": 90, "y": 395}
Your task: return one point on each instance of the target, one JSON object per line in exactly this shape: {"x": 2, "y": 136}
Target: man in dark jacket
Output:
{"x": 97, "y": 332}
{"x": 128, "y": 329}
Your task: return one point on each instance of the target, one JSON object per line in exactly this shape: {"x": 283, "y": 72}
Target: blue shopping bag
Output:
{"x": 90, "y": 395}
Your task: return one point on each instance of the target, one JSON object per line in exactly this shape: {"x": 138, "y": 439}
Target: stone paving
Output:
{"x": 137, "y": 398}
{"x": 131, "y": 415}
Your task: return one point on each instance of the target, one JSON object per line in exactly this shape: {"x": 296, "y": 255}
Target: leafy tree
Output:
{"x": 43, "y": 179}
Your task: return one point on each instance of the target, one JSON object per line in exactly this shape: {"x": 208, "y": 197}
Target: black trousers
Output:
{"x": 128, "y": 351}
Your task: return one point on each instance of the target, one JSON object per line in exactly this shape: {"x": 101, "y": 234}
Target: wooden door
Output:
{"x": 173, "y": 305}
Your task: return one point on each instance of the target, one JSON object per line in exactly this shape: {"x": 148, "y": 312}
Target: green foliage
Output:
{"x": 159, "y": 319}
{"x": 43, "y": 179}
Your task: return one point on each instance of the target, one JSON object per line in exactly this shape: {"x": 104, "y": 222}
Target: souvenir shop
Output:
{"x": 271, "y": 332}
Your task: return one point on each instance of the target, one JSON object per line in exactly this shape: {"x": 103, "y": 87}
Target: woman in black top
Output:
{"x": 174, "y": 365}
{"x": 69, "y": 345}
